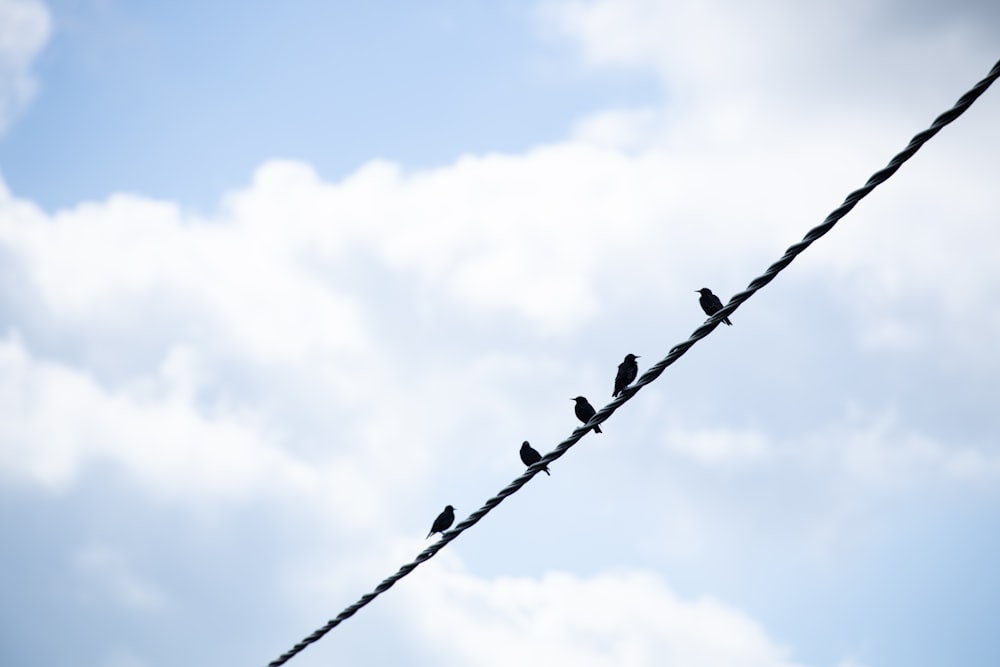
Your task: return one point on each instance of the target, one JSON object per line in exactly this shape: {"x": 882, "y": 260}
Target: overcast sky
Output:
{"x": 279, "y": 281}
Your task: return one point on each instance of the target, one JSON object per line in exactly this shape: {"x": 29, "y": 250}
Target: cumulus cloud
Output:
{"x": 362, "y": 350}
{"x": 719, "y": 446}
{"x": 58, "y": 422}
{"x": 104, "y": 258}
{"x": 870, "y": 446}
{"x": 309, "y": 283}
{"x": 625, "y": 618}
{"x": 752, "y": 91}
{"x": 878, "y": 448}
{"x": 25, "y": 26}
{"x": 734, "y": 57}
{"x": 57, "y": 419}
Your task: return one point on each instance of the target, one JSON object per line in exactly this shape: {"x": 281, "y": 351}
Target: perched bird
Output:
{"x": 710, "y": 303}
{"x": 443, "y": 522}
{"x": 530, "y": 456}
{"x": 627, "y": 371}
{"x": 584, "y": 411}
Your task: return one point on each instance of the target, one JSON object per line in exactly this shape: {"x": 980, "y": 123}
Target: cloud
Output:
{"x": 625, "y": 618}
{"x": 735, "y": 58}
{"x": 99, "y": 259}
{"x": 864, "y": 445}
{"x": 880, "y": 449}
{"x": 501, "y": 234}
{"x": 305, "y": 287}
{"x": 752, "y": 94}
{"x": 56, "y": 419}
{"x": 57, "y": 422}
{"x": 719, "y": 446}
{"x": 351, "y": 354}
{"x": 25, "y": 26}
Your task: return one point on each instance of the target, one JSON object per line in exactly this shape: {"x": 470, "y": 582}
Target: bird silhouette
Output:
{"x": 711, "y": 303}
{"x": 584, "y": 411}
{"x": 443, "y": 522}
{"x": 627, "y": 371}
{"x": 530, "y": 456}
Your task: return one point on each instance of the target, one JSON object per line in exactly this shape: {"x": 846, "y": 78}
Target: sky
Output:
{"x": 279, "y": 281}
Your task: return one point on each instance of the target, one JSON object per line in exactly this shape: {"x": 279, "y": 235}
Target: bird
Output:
{"x": 443, "y": 522}
{"x": 530, "y": 456}
{"x": 584, "y": 411}
{"x": 627, "y": 370}
{"x": 711, "y": 303}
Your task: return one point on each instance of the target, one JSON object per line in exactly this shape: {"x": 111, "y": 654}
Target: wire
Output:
{"x": 675, "y": 353}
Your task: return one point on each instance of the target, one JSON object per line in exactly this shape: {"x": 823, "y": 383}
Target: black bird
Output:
{"x": 627, "y": 371}
{"x": 710, "y": 303}
{"x": 530, "y": 456}
{"x": 443, "y": 522}
{"x": 584, "y": 411}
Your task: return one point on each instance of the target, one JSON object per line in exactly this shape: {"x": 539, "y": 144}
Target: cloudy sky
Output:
{"x": 278, "y": 281}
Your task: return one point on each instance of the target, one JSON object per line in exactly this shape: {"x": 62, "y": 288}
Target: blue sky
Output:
{"x": 332, "y": 84}
{"x": 281, "y": 281}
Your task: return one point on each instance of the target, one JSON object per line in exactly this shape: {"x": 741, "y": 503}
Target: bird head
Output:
{"x": 703, "y": 291}
{"x": 631, "y": 357}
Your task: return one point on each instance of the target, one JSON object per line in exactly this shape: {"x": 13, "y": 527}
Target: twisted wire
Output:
{"x": 676, "y": 352}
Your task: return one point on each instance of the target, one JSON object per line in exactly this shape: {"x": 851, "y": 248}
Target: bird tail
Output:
{"x": 726, "y": 320}
{"x": 546, "y": 471}
{"x": 597, "y": 429}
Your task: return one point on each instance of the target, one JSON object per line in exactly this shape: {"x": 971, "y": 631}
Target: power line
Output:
{"x": 675, "y": 353}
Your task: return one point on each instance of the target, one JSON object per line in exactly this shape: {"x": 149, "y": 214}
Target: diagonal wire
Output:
{"x": 655, "y": 371}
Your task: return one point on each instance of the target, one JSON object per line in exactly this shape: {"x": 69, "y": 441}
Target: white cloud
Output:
{"x": 345, "y": 349}
{"x": 240, "y": 277}
{"x": 879, "y": 449}
{"x": 766, "y": 132}
{"x": 56, "y": 419}
{"x": 626, "y": 129}
{"x": 531, "y": 237}
{"x": 346, "y": 300}
{"x": 621, "y": 618}
{"x": 869, "y": 446}
{"x": 324, "y": 286}
{"x": 736, "y": 58}
{"x": 719, "y": 446}
{"x": 25, "y": 26}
